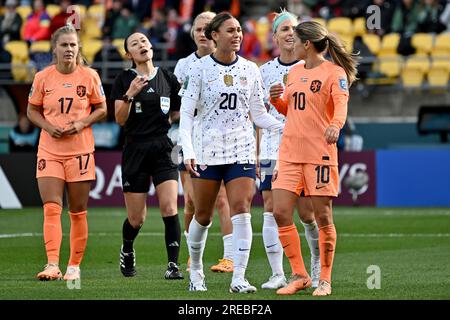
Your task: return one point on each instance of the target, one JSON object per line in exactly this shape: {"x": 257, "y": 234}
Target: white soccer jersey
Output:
{"x": 183, "y": 66}
{"x": 272, "y": 72}
{"x": 225, "y": 96}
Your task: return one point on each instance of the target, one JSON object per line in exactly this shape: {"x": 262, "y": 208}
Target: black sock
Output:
{"x": 129, "y": 233}
{"x": 173, "y": 237}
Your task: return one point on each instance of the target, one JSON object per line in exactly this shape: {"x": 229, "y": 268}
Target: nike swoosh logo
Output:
{"x": 290, "y": 84}
{"x": 82, "y": 173}
{"x": 48, "y": 91}
{"x": 320, "y": 187}
{"x": 193, "y": 248}
{"x": 240, "y": 249}
{"x": 246, "y": 168}
{"x": 273, "y": 245}
{"x": 286, "y": 246}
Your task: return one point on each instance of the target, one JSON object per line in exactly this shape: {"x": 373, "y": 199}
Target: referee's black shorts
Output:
{"x": 145, "y": 158}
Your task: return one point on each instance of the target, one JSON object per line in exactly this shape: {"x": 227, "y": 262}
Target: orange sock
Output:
{"x": 290, "y": 240}
{"x": 78, "y": 237}
{"x": 327, "y": 245}
{"x": 52, "y": 231}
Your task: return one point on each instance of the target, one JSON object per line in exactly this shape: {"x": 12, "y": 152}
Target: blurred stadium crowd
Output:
{"x": 410, "y": 47}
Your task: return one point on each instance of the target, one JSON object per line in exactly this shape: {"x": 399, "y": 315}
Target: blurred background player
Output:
{"x": 60, "y": 104}
{"x": 275, "y": 71}
{"x": 315, "y": 102}
{"x": 204, "y": 47}
{"x": 219, "y": 144}
{"x": 146, "y": 101}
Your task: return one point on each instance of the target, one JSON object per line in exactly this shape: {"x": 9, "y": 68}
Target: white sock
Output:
{"x": 242, "y": 242}
{"x": 312, "y": 236}
{"x": 228, "y": 246}
{"x": 272, "y": 243}
{"x": 196, "y": 243}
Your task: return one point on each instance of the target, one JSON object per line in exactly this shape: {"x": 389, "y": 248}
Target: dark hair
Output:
{"x": 322, "y": 40}
{"x": 125, "y": 46}
{"x": 215, "y": 24}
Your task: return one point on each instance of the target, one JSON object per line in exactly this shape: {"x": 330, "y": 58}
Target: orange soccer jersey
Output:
{"x": 65, "y": 98}
{"x": 313, "y": 100}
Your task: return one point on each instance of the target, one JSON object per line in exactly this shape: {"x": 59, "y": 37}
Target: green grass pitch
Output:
{"x": 410, "y": 246}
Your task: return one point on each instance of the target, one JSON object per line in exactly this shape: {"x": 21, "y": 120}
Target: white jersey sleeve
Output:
{"x": 272, "y": 72}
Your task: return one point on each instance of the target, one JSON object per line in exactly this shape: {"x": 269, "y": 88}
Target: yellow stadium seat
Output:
{"x": 418, "y": 62}
{"x": 97, "y": 11}
{"x": 18, "y": 50}
{"x": 373, "y": 42}
{"x": 320, "y": 20}
{"x": 438, "y": 77}
{"x": 20, "y": 60}
{"x": 91, "y": 29}
{"x": 441, "y": 45}
{"x": 389, "y": 44}
{"x": 359, "y": 26}
{"x": 52, "y": 10}
{"x": 390, "y": 65}
{"x": 40, "y": 46}
{"x": 441, "y": 62}
{"x": 412, "y": 77}
{"x": 118, "y": 43}
{"x": 90, "y": 49}
{"x": 341, "y": 26}
{"x": 423, "y": 42}
{"x": 24, "y": 12}
{"x": 2, "y": 11}
{"x": 348, "y": 42}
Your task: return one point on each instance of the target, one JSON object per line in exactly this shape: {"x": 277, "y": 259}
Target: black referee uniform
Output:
{"x": 147, "y": 150}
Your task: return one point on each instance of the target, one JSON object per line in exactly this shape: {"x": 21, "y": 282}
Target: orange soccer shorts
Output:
{"x": 313, "y": 179}
{"x": 78, "y": 168}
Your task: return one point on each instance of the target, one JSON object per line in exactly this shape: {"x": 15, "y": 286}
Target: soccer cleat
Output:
{"x": 127, "y": 263}
{"x": 242, "y": 286}
{"x": 324, "y": 289}
{"x": 173, "y": 272}
{"x": 296, "y": 283}
{"x": 276, "y": 281}
{"x": 188, "y": 265}
{"x": 315, "y": 270}
{"x": 224, "y": 265}
{"x": 197, "y": 281}
{"x": 51, "y": 272}
{"x": 72, "y": 273}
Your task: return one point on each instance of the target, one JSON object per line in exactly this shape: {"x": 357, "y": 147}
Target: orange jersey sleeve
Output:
{"x": 316, "y": 98}
{"x": 65, "y": 98}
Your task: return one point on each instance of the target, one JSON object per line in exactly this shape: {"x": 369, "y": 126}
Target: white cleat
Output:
{"x": 197, "y": 281}
{"x": 315, "y": 270}
{"x": 276, "y": 281}
{"x": 72, "y": 273}
{"x": 242, "y": 286}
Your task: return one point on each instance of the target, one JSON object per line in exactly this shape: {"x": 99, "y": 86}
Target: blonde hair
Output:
{"x": 204, "y": 15}
{"x": 322, "y": 40}
{"x": 67, "y": 29}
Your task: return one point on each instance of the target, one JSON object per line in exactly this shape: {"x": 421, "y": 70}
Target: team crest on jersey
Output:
{"x": 285, "y": 78}
{"x": 343, "y": 84}
{"x": 315, "y": 86}
{"x": 41, "y": 164}
{"x": 138, "y": 107}
{"x": 228, "y": 80}
{"x": 243, "y": 81}
{"x": 81, "y": 91}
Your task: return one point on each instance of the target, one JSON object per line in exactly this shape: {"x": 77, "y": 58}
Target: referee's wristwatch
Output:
{"x": 127, "y": 99}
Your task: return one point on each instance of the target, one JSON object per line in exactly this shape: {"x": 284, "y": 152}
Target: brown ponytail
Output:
{"x": 322, "y": 40}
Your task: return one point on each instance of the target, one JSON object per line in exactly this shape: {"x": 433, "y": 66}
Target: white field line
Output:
{"x": 216, "y": 234}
